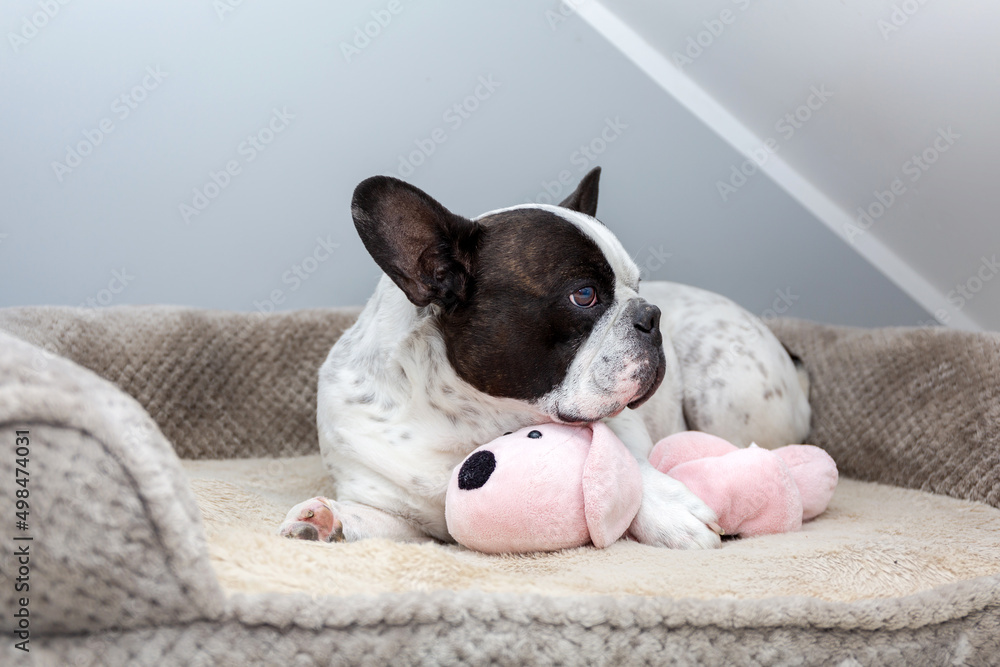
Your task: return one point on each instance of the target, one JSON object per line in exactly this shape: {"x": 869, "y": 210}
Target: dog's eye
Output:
{"x": 585, "y": 297}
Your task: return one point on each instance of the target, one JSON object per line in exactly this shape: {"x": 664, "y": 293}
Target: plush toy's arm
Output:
{"x": 688, "y": 446}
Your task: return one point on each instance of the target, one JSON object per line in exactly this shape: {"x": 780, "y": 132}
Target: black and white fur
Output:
{"x": 477, "y": 330}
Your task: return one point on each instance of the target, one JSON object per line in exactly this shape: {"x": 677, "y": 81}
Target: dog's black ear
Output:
{"x": 584, "y": 198}
{"x": 427, "y": 250}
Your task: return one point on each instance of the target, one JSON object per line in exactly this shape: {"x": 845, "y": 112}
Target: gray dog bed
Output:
{"x": 152, "y": 544}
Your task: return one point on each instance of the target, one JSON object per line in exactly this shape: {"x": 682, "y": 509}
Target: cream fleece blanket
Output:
{"x": 874, "y": 541}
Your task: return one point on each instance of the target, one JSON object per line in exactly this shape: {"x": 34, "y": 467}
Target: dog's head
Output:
{"x": 537, "y": 303}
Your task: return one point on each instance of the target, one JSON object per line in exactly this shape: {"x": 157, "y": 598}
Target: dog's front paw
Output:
{"x": 671, "y": 516}
{"x": 313, "y": 520}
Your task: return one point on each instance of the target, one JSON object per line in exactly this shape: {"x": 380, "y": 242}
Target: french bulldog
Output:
{"x": 527, "y": 315}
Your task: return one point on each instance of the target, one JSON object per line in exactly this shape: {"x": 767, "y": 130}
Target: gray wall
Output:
{"x": 107, "y": 227}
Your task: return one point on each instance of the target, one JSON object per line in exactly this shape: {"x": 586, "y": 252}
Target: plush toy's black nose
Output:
{"x": 476, "y": 470}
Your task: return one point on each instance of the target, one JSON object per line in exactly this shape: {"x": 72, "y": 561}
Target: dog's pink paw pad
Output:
{"x": 312, "y": 520}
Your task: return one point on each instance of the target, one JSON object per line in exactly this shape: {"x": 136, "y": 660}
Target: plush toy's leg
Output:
{"x": 815, "y": 474}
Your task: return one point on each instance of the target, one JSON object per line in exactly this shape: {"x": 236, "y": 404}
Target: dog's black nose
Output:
{"x": 647, "y": 318}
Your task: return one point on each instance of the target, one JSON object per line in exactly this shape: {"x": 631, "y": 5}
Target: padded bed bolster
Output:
{"x": 117, "y": 539}
{"x": 911, "y": 407}
{"x": 460, "y": 628}
{"x": 220, "y": 384}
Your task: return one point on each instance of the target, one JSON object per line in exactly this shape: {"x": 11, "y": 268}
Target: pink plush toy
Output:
{"x": 544, "y": 488}
{"x": 753, "y": 491}
{"x": 554, "y": 486}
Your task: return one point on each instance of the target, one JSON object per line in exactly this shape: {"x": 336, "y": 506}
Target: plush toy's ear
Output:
{"x": 427, "y": 250}
{"x": 612, "y": 487}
